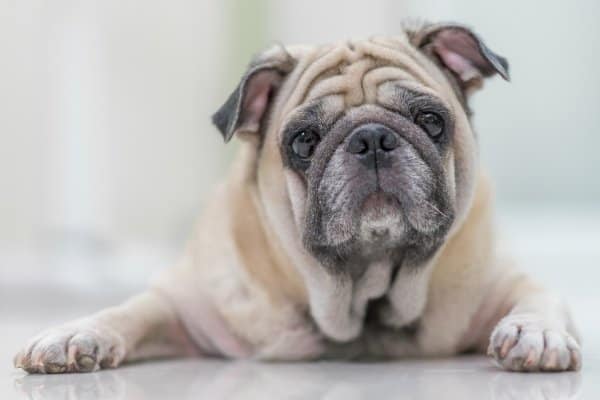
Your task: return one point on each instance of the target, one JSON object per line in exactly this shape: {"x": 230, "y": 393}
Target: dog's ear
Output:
{"x": 246, "y": 107}
{"x": 460, "y": 51}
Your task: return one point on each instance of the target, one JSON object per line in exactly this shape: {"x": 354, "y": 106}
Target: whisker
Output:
{"x": 436, "y": 209}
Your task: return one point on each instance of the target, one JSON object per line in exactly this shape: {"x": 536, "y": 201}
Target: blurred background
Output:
{"x": 107, "y": 150}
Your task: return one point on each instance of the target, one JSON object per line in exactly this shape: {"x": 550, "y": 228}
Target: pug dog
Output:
{"x": 356, "y": 223}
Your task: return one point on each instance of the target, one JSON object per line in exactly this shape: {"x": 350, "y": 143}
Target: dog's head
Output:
{"x": 373, "y": 138}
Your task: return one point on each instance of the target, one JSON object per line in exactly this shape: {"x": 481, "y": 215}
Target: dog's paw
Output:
{"x": 76, "y": 347}
{"x": 525, "y": 343}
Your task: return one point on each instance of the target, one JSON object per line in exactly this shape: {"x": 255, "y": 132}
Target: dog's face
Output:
{"x": 371, "y": 177}
{"x": 373, "y": 138}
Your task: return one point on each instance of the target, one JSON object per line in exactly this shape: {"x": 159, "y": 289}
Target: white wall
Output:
{"x": 105, "y": 115}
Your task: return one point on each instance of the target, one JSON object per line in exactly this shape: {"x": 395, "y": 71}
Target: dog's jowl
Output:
{"x": 356, "y": 222}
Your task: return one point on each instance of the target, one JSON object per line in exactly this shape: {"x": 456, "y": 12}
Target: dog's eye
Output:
{"x": 304, "y": 143}
{"x": 431, "y": 123}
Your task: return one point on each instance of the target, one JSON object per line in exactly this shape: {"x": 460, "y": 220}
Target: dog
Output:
{"x": 356, "y": 223}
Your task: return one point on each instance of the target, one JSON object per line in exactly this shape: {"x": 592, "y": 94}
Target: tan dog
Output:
{"x": 355, "y": 223}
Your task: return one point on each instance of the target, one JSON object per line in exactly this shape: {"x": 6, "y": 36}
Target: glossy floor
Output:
{"x": 465, "y": 378}
{"x": 461, "y": 378}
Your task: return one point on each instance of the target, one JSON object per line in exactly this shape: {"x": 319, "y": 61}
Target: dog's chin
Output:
{"x": 381, "y": 221}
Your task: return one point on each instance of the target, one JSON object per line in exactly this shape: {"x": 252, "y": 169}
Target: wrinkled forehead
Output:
{"x": 355, "y": 71}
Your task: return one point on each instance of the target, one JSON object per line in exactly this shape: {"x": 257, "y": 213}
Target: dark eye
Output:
{"x": 431, "y": 123}
{"x": 304, "y": 143}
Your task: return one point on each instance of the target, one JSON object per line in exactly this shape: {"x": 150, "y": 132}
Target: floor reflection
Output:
{"x": 465, "y": 378}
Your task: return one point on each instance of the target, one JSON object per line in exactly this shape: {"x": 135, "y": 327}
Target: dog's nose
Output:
{"x": 369, "y": 138}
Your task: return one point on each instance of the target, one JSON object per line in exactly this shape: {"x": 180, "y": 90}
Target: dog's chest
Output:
{"x": 364, "y": 298}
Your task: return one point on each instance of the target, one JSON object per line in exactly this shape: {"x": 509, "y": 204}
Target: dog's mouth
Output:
{"x": 381, "y": 218}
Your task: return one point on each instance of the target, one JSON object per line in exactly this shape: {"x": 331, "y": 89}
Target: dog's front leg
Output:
{"x": 537, "y": 333}
{"x": 143, "y": 327}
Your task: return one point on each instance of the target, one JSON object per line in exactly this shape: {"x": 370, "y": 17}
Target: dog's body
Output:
{"x": 355, "y": 223}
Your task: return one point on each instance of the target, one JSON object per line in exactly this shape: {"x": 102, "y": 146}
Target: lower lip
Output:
{"x": 379, "y": 200}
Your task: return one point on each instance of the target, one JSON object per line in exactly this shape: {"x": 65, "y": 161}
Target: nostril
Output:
{"x": 358, "y": 145}
{"x": 388, "y": 142}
